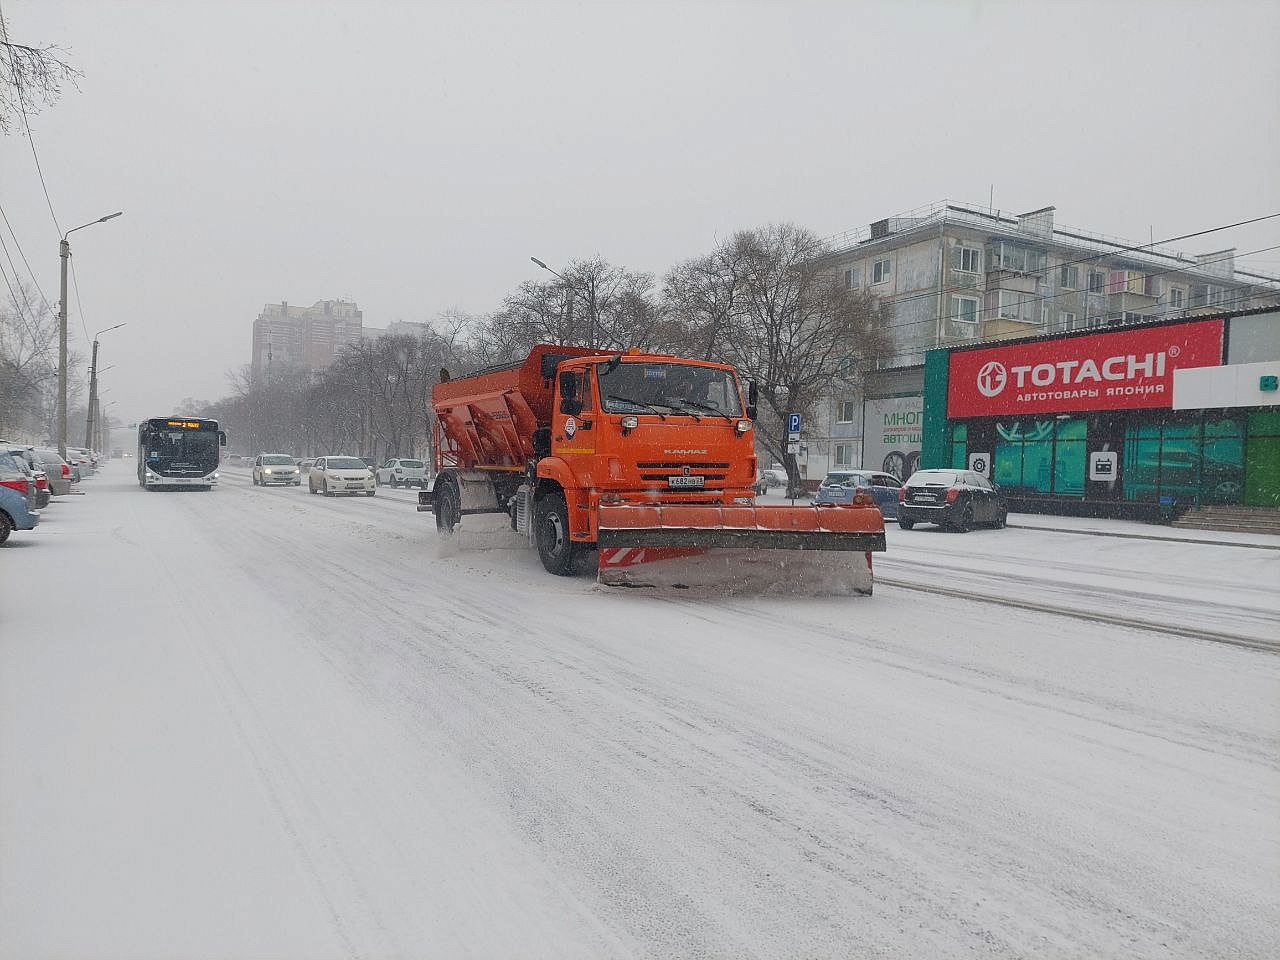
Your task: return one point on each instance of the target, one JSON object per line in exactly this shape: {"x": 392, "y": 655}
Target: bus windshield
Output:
{"x": 668, "y": 387}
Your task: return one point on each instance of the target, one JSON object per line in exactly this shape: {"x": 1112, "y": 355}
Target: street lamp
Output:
{"x": 64, "y": 251}
{"x": 591, "y": 300}
{"x": 92, "y": 413}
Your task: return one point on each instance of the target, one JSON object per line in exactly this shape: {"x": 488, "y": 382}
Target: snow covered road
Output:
{"x": 257, "y": 723}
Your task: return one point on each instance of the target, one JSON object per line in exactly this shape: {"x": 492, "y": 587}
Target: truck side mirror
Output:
{"x": 222, "y": 438}
{"x": 569, "y": 402}
{"x": 753, "y": 399}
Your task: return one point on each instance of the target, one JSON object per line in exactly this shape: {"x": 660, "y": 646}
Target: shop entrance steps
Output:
{"x": 1234, "y": 519}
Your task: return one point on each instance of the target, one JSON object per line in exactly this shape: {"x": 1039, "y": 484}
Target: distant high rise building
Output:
{"x": 398, "y": 328}
{"x": 303, "y": 338}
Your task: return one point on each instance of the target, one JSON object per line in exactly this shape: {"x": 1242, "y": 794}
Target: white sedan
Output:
{"x": 402, "y": 473}
{"x": 334, "y": 475}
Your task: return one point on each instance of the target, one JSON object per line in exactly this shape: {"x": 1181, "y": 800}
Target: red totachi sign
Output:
{"x": 1124, "y": 370}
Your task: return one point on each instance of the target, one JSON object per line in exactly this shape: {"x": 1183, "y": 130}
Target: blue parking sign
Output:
{"x": 793, "y": 423}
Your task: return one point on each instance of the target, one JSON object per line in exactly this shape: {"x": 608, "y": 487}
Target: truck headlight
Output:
{"x": 630, "y": 422}
{"x": 266, "y": 469}
{"x": 742, "y": 426}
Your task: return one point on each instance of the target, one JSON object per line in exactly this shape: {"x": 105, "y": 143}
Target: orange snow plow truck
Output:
{"x": 647, "y": 460}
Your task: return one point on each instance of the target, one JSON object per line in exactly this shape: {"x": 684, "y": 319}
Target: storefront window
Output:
{"x": 1024, "y": 456}
{"x": 1069, "y": 458}
{"x": 1142, "y": 460}
{"x": 959, "y": 446}
{"x": 1178, "y": 458}
{"x": 1222, "y": 476}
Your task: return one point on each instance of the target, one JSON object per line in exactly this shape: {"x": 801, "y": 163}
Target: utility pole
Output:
{"x": 92, "y": 418}
{"x": 93, "y": 397}
{"x": 64, "y": 252}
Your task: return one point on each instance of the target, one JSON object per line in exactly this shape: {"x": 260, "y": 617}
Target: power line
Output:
{"x": 34, "y": 279}
{"x": 32, "y": 325}
{"x": 79, "y": 307}
{"x": 1093, "y": 258}
{"x": 26, "y": 126}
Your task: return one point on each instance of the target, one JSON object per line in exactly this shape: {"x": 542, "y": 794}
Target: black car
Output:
{"x": 959, "y": 499}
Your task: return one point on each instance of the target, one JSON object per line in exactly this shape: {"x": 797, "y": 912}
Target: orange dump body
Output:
{"x": 487, "y": 420}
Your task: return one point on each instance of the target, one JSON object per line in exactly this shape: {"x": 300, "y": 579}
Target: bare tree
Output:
{"x": 30, "y": 76}
{"x": 28, "y": 361}
{"x": 592, "y": 302}
{"x": 764, "y": 302}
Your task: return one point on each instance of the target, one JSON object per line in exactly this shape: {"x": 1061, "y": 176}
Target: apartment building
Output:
{"x": 303, "y": 338}
{"x": 955, "y": 274}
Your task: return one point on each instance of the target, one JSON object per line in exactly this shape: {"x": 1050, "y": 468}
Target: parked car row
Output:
{"x": 958, "y": 499}
{"x": 30, "y": 477}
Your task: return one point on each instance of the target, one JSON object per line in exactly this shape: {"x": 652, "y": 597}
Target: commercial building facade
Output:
{"x": 1138, "y": 420}
{"x": 955, "y": 274}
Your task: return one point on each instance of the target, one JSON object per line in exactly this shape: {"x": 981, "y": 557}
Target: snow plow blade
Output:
{"x": 809, "y": 550}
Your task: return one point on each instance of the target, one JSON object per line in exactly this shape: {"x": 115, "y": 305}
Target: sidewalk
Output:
{"x": 1095, "y": 526}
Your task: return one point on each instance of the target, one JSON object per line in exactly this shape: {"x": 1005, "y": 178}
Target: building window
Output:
{"x": 852, "y": 278}
{"x": 1016, "y": 259}
{"x": 848, "y": 410}
{"x": 1097, "y": 281}
{"x": 1067, "y": 321}
{"x": 1215, "y": 296}
{"x": 964, "y": 309}
{"x": 1011, "y": 305}
{"x": 881, "y": 272}
{"x": 967, "y": 259}
{"x": 844, "y": 454}
{"x": 1069, "y": 277}
{"x": 1176, "y": 297}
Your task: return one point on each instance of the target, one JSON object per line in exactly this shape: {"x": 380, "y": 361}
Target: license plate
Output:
{"x": 685, "y": 483}
{"x": 928, "y": 497}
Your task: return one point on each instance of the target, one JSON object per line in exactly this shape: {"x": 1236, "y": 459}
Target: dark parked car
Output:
{"x": 841, "y": 486}
{"x": 959, "y": 499}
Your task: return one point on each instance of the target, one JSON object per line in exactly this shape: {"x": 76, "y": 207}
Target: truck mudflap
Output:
{"x": 743, "y": 549}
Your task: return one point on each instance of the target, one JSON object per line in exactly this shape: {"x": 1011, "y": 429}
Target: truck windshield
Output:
{"x": 678, "y": 387}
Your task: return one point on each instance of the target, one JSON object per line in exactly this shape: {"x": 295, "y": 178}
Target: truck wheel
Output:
{"x": 557, "y": 552}
{"x": 448, "y": 505}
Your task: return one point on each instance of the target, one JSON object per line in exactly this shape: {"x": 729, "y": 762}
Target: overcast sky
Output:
{"x": 413, "y": 156}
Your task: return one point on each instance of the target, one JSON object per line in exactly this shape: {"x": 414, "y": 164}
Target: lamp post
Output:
{"x": 93, "y": 388}
{"x": 591, "y": 300}
{"x": 102, "y": 425}
{"x": 64, "y": 251}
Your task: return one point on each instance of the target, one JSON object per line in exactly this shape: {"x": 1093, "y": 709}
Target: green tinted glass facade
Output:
{"x": 1196, "y": 458}
{"x": 1262, "y": 466}
{"x": 959, "y": 446}
{"x": 1041, "y": 457}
